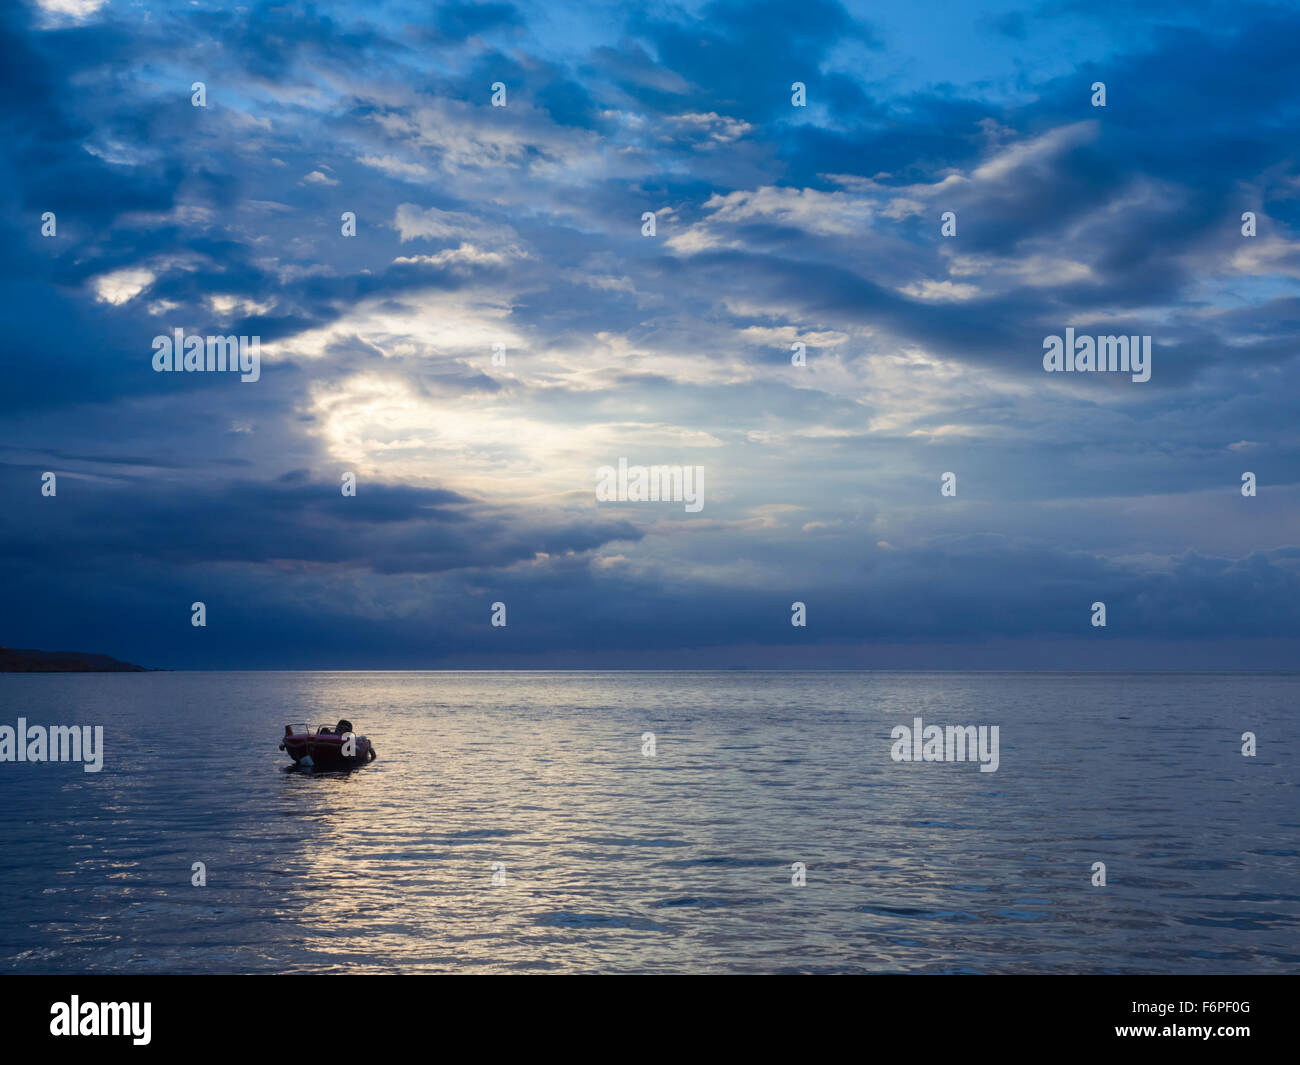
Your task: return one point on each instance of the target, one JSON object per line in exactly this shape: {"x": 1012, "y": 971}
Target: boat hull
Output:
{"x": 327, "y": 751}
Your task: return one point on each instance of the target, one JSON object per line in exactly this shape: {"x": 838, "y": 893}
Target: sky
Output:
{"x": 502, "y": 325}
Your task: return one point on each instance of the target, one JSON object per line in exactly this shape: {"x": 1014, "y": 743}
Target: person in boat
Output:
{"x": 343, "y": 727}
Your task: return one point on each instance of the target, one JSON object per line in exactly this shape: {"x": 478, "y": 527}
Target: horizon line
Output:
{"x": 726, "y": 669}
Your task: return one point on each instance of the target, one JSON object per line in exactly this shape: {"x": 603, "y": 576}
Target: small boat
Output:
{"x": 328, "y": 747}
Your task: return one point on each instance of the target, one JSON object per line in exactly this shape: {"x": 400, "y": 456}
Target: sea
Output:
{"x": 656, "y": 822}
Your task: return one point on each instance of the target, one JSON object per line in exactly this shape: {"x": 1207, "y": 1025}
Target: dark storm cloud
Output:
{"x": 286, "y": 521}
{"x": 743, "y": 57}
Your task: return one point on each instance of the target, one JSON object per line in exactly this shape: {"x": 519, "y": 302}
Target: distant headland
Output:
{"x": 13, "y": 661}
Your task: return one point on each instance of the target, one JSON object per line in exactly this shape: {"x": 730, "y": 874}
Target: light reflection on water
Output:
{"x": 680, "y": 862}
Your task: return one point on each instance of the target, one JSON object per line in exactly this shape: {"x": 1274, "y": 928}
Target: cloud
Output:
{"x": 78, "y": 10}
{"x": 123, "y": 285}
{"x": 517, "y": 231}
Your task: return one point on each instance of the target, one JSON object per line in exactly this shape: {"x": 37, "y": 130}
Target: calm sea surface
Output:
{"x": 617, "y": 861}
